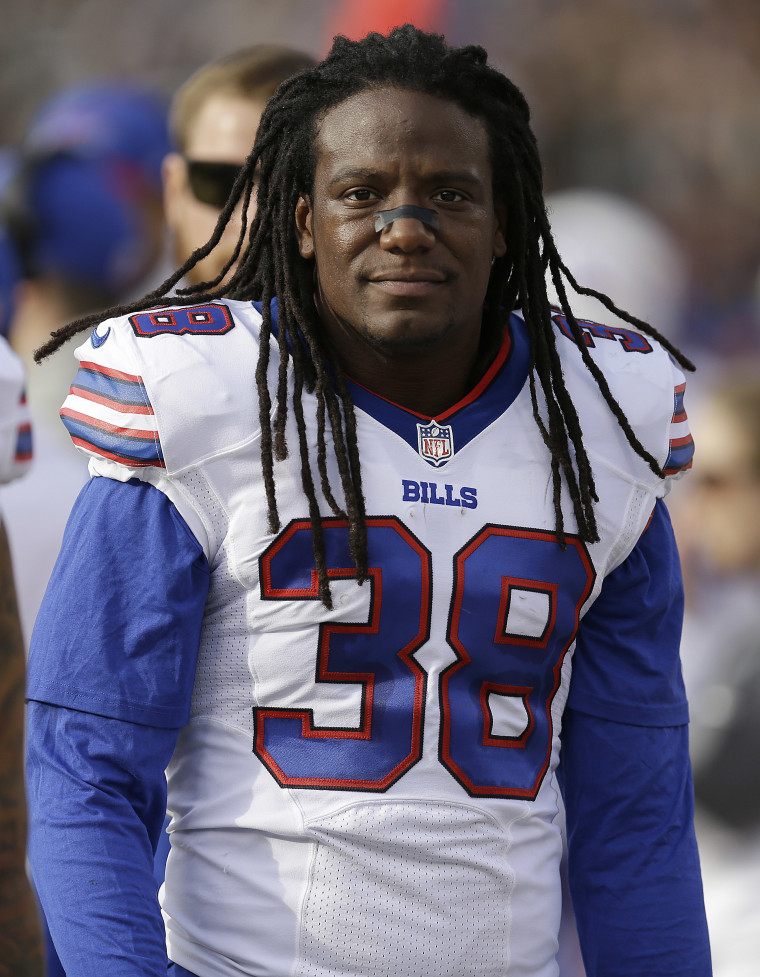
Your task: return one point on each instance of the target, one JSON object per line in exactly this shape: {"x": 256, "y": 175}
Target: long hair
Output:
{"x": 281, "y": 167}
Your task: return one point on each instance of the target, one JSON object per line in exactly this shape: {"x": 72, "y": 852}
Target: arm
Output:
{"x": 21, "y": 950}
{"x": 111, "y": 674}
{"x": 99, "y": 796}
{"x": 632, "y": 858}
{"x": 633, "y": 865}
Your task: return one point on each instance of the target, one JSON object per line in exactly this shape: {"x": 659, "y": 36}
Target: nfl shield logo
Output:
{"x": 435, "y": 442}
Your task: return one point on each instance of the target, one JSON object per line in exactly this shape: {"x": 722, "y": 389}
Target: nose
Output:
{"x": 407, "y": 234}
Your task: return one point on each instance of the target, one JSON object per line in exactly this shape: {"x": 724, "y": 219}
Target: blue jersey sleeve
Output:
{"x": 111, "y": 673}
{"x": 118, "y": 630}
{"x": 633, "y": 865}
{"x": 97, "y": 797}
{"x": 626, "y": 665}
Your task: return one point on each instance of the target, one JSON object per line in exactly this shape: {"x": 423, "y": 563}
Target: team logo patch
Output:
{"x": 435, "y": 443}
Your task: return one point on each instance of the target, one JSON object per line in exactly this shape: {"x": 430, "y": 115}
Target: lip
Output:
{"x": 407, "y": 288}
{"x": 408, "y": 283}
{"x": 409, "y": 275}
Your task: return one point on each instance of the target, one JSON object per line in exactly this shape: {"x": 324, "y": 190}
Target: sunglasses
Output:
{"x": 211, "y": 183}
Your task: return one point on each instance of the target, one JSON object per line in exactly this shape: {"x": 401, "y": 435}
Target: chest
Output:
{"x": 458, "y": 636}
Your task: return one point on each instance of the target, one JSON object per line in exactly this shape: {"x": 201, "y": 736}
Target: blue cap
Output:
{"x": 85, "y": 229}
{"x": 10, "y": 276}
{"x": 112, "y": 118}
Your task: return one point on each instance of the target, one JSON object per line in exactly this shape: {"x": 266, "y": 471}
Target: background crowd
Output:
{"x": 647, "y": 114}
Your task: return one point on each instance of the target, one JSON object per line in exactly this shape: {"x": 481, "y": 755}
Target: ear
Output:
{"x": 500, "y": 231}
{"x": 304, "y": 228}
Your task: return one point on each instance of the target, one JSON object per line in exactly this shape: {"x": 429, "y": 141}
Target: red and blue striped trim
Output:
{"x": 679, "y": 411}
{"x": 123, "y": 444}
{"x": 111, "y": 388}
{"x": 117, "y": 391}
{"x": 23, "y": 451}
{"x": 681, "y": 448}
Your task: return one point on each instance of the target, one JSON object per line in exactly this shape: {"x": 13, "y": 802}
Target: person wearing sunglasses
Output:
{"x": 214, "y": 118}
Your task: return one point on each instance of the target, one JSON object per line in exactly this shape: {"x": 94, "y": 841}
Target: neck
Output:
{"x": 427, "y": 381}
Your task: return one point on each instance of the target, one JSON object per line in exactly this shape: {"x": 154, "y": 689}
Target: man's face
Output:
{"x": 407, "y": 287}
{"x": 222, "y": 132}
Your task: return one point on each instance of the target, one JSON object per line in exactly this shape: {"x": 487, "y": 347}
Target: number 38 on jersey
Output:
{"x": 514, "y": 611}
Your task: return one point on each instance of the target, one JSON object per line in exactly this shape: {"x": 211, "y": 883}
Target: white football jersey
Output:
{"x": 369, "y": 790}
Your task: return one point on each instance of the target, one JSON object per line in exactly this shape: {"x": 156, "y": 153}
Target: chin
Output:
{"x": 407, "y": 333}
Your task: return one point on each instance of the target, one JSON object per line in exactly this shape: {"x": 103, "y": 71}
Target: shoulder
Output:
{"x": 646, "y": 383}
{"x": 167, "y": 387}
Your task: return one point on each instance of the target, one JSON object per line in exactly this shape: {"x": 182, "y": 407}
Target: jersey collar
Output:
{"x": 487, "y": 401}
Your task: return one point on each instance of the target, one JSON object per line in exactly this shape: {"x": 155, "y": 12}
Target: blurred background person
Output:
{"x": 214, "y": 117}
{"x": 616, "y": 246}
{"x": 717, "y": 521}
{"x": 81, "y": 207}
{"x": 81, "y": 201}
{"x": 21, "y": 945}
{"x": 84, "y": 204}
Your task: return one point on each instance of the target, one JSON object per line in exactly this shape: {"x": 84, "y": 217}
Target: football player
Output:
{"x": 374, "y": 553}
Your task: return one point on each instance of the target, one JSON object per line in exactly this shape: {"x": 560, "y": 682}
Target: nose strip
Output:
{"x": 385, "y": 217}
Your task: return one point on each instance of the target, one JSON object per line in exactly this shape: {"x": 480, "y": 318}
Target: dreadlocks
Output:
{"x": 281, "y": 168}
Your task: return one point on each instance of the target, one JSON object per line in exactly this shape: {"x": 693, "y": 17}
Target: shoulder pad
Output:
{"x": 167, "y": 388}
{"x": 644, "y": 380}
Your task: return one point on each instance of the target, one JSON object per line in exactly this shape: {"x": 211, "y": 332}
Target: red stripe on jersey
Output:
{"x": 108, "y": 372}
{"x": 110, "y": 428}
{"x": 107, "y": 402}
{"x": 112, "y": 456}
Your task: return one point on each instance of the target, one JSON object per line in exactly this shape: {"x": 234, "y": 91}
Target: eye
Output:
{"x": 450, "y": 196}
{"x": 360, "y": 195}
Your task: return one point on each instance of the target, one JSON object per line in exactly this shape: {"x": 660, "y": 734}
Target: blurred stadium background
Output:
{"x": 654, "y": 100}
{"x": 647, "y": 114}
